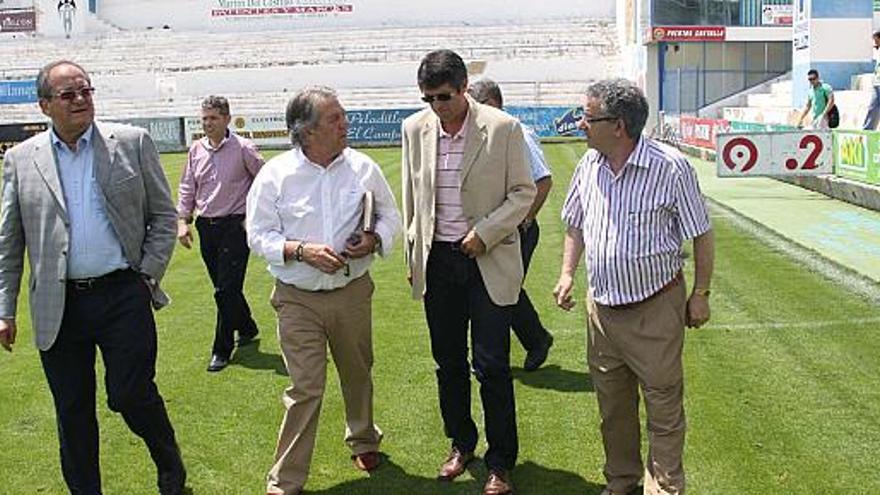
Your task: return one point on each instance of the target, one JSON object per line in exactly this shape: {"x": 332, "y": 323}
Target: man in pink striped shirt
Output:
{"x": 219, "y": 171}
{"x": 631, "y": 204}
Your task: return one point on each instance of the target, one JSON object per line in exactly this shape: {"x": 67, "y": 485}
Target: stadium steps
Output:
{"x": 776, "y": 108}
{"x": 168, "y": 51}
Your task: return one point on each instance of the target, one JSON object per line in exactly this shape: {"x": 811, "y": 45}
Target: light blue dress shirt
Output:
{"x": 94, "y": 248}
{"x": 539, "y": 166}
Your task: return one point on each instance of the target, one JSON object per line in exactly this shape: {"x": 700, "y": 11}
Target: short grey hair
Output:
{"x": 302, "y": 111}
{"x": 219, "y": 103}
{"x": 623, "y": 99}
{"x": 485, "y": 90}
{"x": 44, "y": 91}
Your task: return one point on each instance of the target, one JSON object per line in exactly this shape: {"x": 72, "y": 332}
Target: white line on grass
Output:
{"x": 782, "y": 325}
{"x": 849, "y": 279}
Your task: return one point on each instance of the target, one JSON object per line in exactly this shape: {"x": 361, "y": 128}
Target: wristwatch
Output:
{"x": 702, "y": 291}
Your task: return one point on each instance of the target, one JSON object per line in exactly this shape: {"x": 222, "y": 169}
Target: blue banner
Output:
{"x": 383, "y": 126}
{"x": 18, "y": 91}
{"x": 376, "y": 126}
{"x": 548, "y": 122}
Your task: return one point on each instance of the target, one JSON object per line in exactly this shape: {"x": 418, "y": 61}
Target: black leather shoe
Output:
{"x": 217, "y": 363}
{"x": 536, "y": 357}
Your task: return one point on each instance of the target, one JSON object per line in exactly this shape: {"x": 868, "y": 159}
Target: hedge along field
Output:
{"x": 780, "y": 387}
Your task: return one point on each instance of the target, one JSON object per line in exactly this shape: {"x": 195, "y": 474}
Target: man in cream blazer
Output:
{"x": 466, "y": 187}
{"x": 90, "y": 205}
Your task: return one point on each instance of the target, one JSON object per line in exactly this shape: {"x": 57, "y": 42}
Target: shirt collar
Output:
{"x": 639, "y": 155}
{"x": 461, "y": 134}
{"x": 207, "y": 142}
{"x": 637, "y": 158}
{"x": 84, "y": 140}
{"x": 305, "y": 160}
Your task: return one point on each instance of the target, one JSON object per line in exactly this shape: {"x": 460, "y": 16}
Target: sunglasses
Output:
{"x": 438, "y": 97}
{"x": 71, "y": 94}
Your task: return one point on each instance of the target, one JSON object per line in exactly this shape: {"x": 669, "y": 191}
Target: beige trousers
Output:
{"x": 640, "y": 346}
{"x": 307, "y": 323}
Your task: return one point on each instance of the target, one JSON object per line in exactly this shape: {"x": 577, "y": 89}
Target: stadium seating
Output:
{"x": 153, "y": 73}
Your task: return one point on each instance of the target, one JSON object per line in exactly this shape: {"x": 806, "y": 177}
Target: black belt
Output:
{"x": 238, "y": 217}
{"x": 454, "y": 246}
{"x": 112, "y": 278}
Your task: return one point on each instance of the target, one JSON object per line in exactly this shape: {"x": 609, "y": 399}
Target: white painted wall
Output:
{"x": 203, "y": 14}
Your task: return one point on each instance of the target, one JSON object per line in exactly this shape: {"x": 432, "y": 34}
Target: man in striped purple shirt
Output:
{"x": 219, "y": 171}
{"x": 631, "y": 204}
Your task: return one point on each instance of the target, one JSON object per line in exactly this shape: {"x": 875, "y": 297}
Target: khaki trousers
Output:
{"x": 307, "y": 323}
{"x": 640, "y": 345}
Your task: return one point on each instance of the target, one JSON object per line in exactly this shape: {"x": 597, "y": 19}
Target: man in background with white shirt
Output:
{"x": 304, "y": 216}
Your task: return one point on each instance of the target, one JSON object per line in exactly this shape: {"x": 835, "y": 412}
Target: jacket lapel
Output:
{"x": 44, "y": 160}
{"x": 476, "y": 139}
{"x": 104, "y": 146}
{"x": 430, "y": 135}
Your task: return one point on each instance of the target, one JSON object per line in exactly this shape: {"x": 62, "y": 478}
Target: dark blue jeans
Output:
{"x": 116, "y": 318}
{"x": 456, "y": 298}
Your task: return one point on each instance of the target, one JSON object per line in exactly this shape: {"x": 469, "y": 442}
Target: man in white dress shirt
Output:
{"x": 304, "y": 216}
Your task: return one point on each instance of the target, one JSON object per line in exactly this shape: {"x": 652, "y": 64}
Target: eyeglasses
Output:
{"x": 811, "y": 79}
{"x": 70, "y": 94}
{"x": 438, "y": 97}
{"x": 592, "y": 120}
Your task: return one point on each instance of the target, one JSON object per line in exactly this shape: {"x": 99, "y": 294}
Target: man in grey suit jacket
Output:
{"x": 466, "y": 187}
{"x": 90, "y": 204}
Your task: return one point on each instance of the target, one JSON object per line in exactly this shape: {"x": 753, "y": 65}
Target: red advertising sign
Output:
{"x": 700, "y": 132}
{"x": 688, "y": 33}
{"x": 17, "y": 21}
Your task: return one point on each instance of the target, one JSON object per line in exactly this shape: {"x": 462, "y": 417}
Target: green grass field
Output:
{"x": 781, "y": 387}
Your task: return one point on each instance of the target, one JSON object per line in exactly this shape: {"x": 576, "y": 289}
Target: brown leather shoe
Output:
{"x": 366, "y": 461}
{"x": 498, "y": 483}
{"x": 455, "y": 464}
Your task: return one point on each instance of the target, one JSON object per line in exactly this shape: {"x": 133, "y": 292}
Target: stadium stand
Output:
{"x": 163, "y": 73}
